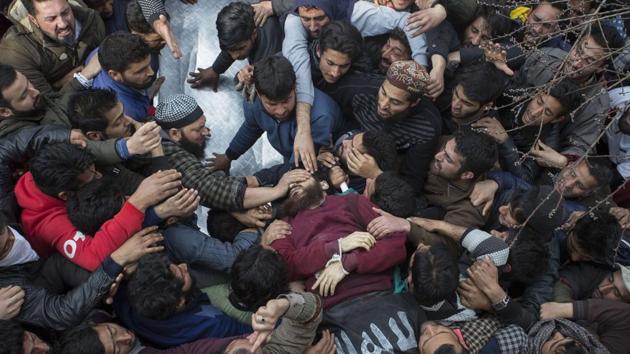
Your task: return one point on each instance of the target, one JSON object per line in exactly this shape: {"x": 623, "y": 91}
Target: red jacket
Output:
{"x": 48, "y": 228}
{"x": 313, "y": 242}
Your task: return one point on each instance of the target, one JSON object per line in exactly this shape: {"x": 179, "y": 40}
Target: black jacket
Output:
{"x": 44, "y": 309}
{"x": 15, "y": 150}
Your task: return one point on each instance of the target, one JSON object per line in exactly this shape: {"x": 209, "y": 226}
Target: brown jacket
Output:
{"x": 452, "y": 196}
{"x": 43, "y": 61}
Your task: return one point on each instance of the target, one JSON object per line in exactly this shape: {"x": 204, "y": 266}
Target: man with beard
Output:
{"x": 533, "y": 127}
{"x": 184, "y": 139}
{"x": 332, "y": 243}
{"x": 585, "y": 63}
{"x": 50, "y": 42}
{"x": 22, "y": 105}
{"x": 126, "y": 62}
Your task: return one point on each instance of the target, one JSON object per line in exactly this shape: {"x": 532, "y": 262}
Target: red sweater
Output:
{"x": 313, "y": 242}
{"x": 48, "y": 228}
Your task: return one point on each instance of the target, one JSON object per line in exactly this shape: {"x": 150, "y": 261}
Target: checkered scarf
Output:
{"x": 543, "y": 330}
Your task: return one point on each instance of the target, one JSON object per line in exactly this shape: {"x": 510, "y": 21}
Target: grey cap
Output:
{"x": 177, "y": 111}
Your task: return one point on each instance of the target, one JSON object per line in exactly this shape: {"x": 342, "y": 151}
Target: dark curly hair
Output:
{"x": 394, "y": 195}
{"x": 382, "y": 147}
{"x": 154, "y": 291}
{"x": 119, "y": 50}
{"x": 235, "y": 24}
{"x": 479, "y": 150}
{"x": 258, "y": 275}
{"x": 342, "y": 36}
{"x": 434, "y": 274}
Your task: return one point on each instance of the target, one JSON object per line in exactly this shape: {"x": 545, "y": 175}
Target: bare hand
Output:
{"x": 362, "y": 165}
{"x": 278, "y": 229}
{"x": 291, "y": 177}
{"x": 77, "y": 138}
{"x": 262, "y": 11}
{"x": 265, "y": 319}
{"x": 247, "y": 90}
{"x": 337, "y": 176}
{"x": 436, "y": 84}
{"x": 483, "y": 194}
{"x": 425, "y": 20}
{"x": 11, "y": 300}
{"x": 622, "y": 215}
{"x": 219, "y": 162}
{"x": 145, "y": 139}
{"x": 329, "y": 278}
{"x": 204, "y": 78}
{"x": 484, "y": 273}
{"x": 573, "y": 218}
{"x": 162, "y": 27}
{"x": 493, "y": 128}
{"x": 357, "y": 239}
{"x": 496, "y": 55}
{"x": 156, "y": 188}
{"x": 472, "y": 297}
{"x": 386, "y": 224}
{"x": 304, "y": 150}
{"x": 246, "y": 75}
{"x": 327, "y": 159}
{"x": 141, "y": 243}
{"x": 92, "y": 68}
{"x": 255, "y": 217}
{"x": 545, "y": 156}
{"x": 182, "y": 204}
{"x": 326, "y": 344}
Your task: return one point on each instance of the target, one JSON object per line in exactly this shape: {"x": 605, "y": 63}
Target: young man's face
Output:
{"x": 118, "y": 123}
{"x": 463, "y": 107}
{"x": 612, "y": 288}
{"x": 586, "y": 58}
{"x": 56, "y": 19}
{"x": 578, "y": 9}
{"x": 138, "y": 75}
{"x": 114, "y": 338}
{"x": 242, "y": 50}
{"x": 279, "y": 109}
{"x": 433, "y": 336}
{"x": 393, "y": 102}
{"x": 543, "y": 109}
{"x": 476, "y": 32}
{"x": 313, "y": 20}
{"x": 394, "y": 50}
{"x": 542, "y": 21}
{"x": 334, "y": 65}
{"x": 356, "y": 142}
{"x": 447, "y": 162}
{"x": 576, "y": 181}
{"x": 22, "y": 97}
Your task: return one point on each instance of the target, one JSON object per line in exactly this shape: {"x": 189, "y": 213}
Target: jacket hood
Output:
{"x": 29, "y": 196}
{"x": 334, "y": 9}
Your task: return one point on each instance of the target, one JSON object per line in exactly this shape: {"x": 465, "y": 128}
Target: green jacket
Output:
{"x": 43, "y": 61}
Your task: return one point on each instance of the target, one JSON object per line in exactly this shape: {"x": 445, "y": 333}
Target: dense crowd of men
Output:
{"x": 453, "y": 180}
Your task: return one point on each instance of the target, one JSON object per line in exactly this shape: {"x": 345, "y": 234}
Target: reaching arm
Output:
{"x": 371, "y": 20}
{"x": 295, "y": 48}
{"x": 60, "y": 312}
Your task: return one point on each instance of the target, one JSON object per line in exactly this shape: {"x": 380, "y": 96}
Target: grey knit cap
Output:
{"x": 177, "y": 111}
